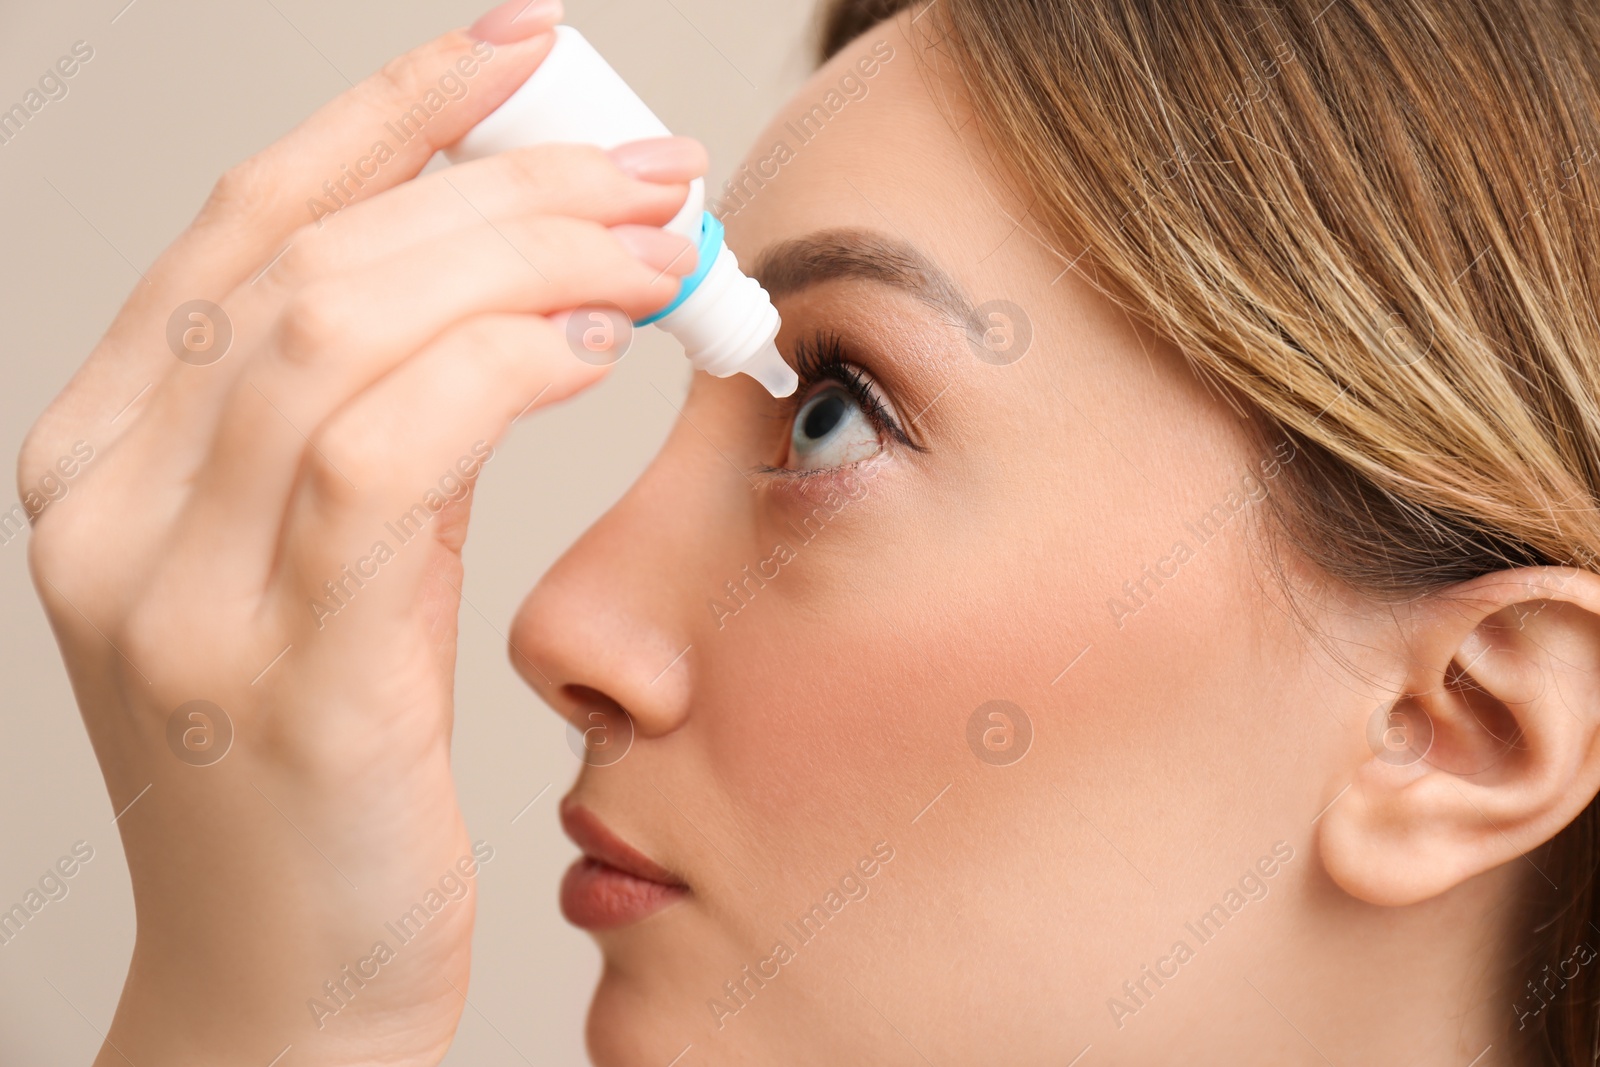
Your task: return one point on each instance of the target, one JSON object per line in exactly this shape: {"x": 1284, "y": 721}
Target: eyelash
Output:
{"x": 822, "y": 356}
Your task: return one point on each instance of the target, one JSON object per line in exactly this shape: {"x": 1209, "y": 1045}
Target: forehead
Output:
{"x": 881, "y": 138}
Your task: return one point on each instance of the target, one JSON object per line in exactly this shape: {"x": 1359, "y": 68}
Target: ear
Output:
{"x": 1486, "y": 748}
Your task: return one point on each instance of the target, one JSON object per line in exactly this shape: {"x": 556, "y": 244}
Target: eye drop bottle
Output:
{"x": 724, "y": 319}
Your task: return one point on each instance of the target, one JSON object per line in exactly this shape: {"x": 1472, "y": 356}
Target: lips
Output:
{"x": 612, "y": 884}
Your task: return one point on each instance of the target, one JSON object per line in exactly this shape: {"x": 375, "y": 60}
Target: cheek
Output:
{"x": 817, "y": 701}
{"x": 839, "y": 711}
{"x": 842, "y": 715}
{"x": 842, "y": 698}
{"x": 852, "y": 687}
{"x": 810, "y": 708}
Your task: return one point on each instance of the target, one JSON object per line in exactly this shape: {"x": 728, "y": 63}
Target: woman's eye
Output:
{"x": 831, "y": 430}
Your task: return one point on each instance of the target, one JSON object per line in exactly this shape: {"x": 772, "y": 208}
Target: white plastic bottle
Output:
{"x": 724, "y": 319}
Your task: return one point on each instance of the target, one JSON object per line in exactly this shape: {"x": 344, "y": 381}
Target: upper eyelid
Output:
{"x": 814, "y": 369}
{"x": 797, "y": 474}
{"x": 891, "y": 420}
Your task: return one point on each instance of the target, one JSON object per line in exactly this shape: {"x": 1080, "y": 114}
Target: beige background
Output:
{"x": 177, "y": 90}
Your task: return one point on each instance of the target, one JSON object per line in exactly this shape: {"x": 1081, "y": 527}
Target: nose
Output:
{"x": 612, "y": 622}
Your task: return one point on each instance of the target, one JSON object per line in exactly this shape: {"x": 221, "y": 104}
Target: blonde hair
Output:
{"x": 1374, "y": 221}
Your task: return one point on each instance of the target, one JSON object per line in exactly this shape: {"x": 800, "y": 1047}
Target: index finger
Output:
{"x": 375, "y": 136}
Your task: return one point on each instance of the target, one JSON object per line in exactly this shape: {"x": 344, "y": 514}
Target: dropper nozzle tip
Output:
{"x": 768, "y": 367}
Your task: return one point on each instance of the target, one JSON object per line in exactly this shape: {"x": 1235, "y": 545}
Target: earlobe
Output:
{"x": 1485, "y": 748}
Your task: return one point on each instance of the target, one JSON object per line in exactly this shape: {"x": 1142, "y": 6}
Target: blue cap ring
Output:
{"x": 710, "y": 246}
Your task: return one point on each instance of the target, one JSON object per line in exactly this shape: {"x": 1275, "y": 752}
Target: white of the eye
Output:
{"x": 852, "y": 440}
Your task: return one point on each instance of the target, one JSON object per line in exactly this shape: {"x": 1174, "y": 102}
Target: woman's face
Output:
{"x": 960, "y": 654}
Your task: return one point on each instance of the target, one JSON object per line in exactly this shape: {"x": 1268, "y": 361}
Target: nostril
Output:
{"x": 602, "y": 729}
{"x": 583, "y": 698}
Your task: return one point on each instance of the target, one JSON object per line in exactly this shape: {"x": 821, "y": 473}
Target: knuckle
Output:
{"x": 394, "y": 79}
{"x": 349, "y": 462}
{"x": 406, "y": 80}
{"x": 62, "y": 549}
{"x": 409, "y": 75}
{"x": 245, "y": 189}
{"x": 47, "y": 473}
{"x": 33, "y": 457}
{"x": 314, "y": 322}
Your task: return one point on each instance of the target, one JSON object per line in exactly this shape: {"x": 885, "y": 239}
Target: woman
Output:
{"x": 1161, "y": 628}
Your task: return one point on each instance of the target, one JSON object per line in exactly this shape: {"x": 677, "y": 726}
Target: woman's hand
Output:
{"x": 277, "y": 533}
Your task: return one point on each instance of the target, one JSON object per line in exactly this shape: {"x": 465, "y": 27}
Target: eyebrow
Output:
{"x": 863, "y": 255}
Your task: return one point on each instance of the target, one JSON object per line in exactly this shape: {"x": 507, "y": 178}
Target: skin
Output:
{"x": 1172, "y": 748}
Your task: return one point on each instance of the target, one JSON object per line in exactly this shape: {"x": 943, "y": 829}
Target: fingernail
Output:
{"x": 655, "y": 247}
{"x": 516, "y": 20}
{"x": 661, "y": 159}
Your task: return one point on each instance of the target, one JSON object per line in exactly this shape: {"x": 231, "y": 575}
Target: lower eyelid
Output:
{"x": 792, "y": 482}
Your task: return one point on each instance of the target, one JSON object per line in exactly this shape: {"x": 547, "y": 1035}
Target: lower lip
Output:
{"x": 598, "y": 896}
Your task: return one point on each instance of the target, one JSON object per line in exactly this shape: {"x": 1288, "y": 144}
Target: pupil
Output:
{"x": 821, "y": 419}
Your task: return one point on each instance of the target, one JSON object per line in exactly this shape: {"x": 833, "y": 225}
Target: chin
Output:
{"x": 630, "y": 1022}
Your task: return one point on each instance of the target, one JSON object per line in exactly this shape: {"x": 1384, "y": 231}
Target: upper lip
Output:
{"x": 598, "y": 842}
